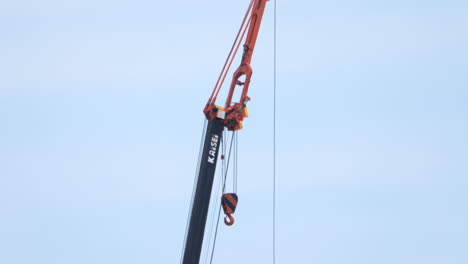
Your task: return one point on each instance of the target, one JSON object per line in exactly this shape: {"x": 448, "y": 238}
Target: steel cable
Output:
{"x": 219, "y": 212}
{"x": 194, "y": 186}
{"x": 274, "y": 130}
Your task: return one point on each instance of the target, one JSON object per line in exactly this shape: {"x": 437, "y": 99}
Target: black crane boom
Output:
{"x": 201, "y": 200}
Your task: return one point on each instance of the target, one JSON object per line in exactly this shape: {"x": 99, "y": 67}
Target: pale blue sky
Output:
{"x": 101, "y": 113}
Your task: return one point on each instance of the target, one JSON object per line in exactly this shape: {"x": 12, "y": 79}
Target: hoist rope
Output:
{"x": 215, "y": 217}
{"x": 224, "y": 189}
{"x": 236, "y": 151}
{"x": 215, "y": 236}
{"x": 223, "y": 155}
{"x": 219, "y": 186}
{"x": 228, "y": 161}
{"x": 274, "y": 131}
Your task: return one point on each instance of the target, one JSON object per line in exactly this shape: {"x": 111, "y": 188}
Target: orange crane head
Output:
{"x": 234, "y": 113}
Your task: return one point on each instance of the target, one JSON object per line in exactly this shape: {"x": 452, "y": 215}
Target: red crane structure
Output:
{"x": 234, "y": 113}
{"x": 230, "y": 117}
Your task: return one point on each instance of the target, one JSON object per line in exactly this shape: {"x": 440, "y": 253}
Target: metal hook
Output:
{"x": 231, "y": 220}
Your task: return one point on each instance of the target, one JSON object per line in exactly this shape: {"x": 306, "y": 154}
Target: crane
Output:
{"x": 231, "y": 117}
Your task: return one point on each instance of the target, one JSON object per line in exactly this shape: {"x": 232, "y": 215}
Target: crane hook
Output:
{"x": 231, "y": 220}
{"x": 229, "y": 204}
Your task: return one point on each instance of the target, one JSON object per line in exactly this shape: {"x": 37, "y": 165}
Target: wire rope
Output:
{"x": 194, "y": 186}
{"x": 236, "y": 160}
{"x": 219, "y": 211}
{"x": 232, "y": 53}
{"x": 274, "y": 128}
{"x": 221, "y": 182}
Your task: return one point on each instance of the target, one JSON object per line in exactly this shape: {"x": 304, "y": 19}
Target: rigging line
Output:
{"x": 234, "y": 167}
{"x": 216, "y": 193}
{"x": 232, "y": 58}
{"x": 231, "y": 52}
{"x": 223, "y": 155}
{"x": 228, "y": 161}
{"x": 215, "y": 235}
{"x": 210, "y": 237}
{"x": 219, "y": 212}
{"x": 236, "y": 151}
{"x": 194, "y": 186}
{"x": 274, "y": 129}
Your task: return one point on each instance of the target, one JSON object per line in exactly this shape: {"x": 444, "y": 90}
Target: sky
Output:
{"x": 101, "y": 118}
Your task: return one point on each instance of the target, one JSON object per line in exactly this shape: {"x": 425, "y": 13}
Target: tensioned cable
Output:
{"x": 232, "y": 59}
{"x": 232, "y": 53}
{"x": 224, "y": 188}
{"x": 236, "y": 151}
{"x": 216, "y": 193}
{"x": 223, "y": 156}
{"x": 194, "y": 186}
{"x": 228, "y": 161}
{"x": 274, "y": 132}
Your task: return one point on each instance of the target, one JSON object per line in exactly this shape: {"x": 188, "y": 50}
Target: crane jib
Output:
{"x": 201, "y": 200}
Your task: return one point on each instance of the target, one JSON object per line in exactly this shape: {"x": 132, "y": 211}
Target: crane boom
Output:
{"x": 231, "y": 117}
{"x": 236, "y": 112}
{"x": 201, "y": 200}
